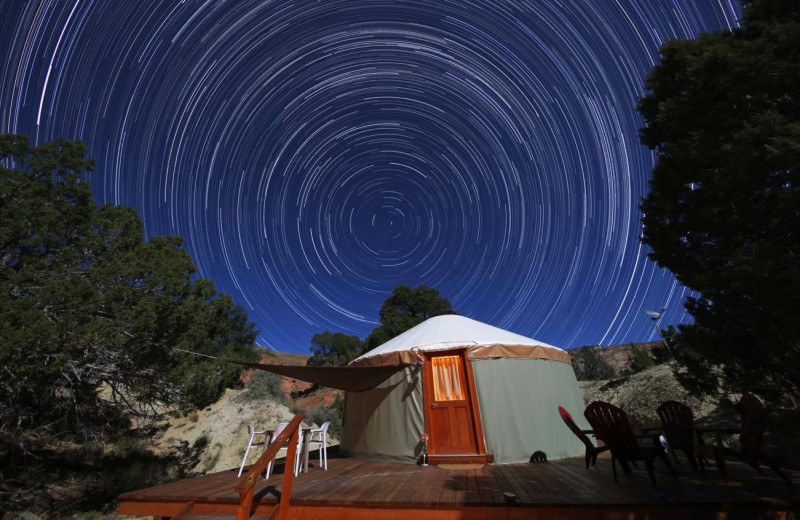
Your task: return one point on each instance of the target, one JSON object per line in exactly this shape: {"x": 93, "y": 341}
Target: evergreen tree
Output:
{"x": 405, "y": 308}
{"x": 333, "y": 349}
{"x": 589, "y": 364}
{"x": 90, "y": 312}
{"x": 639, "y": 360}
{"x": 723, "y": 115}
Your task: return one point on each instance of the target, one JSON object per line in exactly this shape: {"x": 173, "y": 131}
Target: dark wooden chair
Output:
{"x": 678, "y": 423}
{"x": 612, "y": 426}
{"x": 591, "y": 449}
{"x": 751, "y": 435}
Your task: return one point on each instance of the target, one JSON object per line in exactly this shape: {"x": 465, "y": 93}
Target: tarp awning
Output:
{"x": 351, "y": 379}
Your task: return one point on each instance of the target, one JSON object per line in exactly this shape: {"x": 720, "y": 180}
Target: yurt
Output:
{"x": 480, "y": 393}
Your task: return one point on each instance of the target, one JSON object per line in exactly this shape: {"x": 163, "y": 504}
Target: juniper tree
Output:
{"x": 90, "y": 312}
{"x": 405, "y": 308}
{"x": 723, "y": 115}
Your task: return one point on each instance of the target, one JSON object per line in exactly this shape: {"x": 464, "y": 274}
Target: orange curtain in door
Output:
{"x": 447, "y": 378}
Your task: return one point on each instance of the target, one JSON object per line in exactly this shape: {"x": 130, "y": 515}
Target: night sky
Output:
{"x": 316, "y": 154}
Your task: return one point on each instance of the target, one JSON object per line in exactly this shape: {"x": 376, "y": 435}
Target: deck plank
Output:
{"x": 336, "y": 489}
{"x": 447, "y": 492}
{"x": 417, "y": 491}
{"x": 382, "y": 479}
{"x": 508, "y": 483}
{"x": 435, "y": 491}
{"x": 473, "y": 495}
{"x": 560, "y": 486}
{"x": 404, "y": 478}
{"x": 490, "y": 490}
{"x": 584, "y": 485}
{"x": 450, "y": 490}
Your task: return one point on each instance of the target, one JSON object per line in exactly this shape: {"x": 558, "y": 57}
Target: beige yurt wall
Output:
{"x": 385, "y": 423}
{"x": 518, "y": 400}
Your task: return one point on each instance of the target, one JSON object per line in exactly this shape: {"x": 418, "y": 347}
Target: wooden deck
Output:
{"x": 354, "y": 488}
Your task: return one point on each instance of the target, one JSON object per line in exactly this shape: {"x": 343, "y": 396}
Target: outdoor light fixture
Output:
{"x": 656, "y": 317}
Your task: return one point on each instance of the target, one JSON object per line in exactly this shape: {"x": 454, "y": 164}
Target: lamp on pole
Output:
{"x": 655, "y": 317}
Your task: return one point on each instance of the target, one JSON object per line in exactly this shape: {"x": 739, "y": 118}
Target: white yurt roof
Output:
{"x": 448, "y": 332}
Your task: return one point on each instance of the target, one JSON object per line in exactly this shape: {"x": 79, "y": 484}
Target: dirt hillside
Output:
{"x": 223, "y": 425}
{"x": 619, "y": 356}
{"x": 640, "y": 394}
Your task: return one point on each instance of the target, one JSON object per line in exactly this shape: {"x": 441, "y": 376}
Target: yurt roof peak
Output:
{"x": 452, "y": 331}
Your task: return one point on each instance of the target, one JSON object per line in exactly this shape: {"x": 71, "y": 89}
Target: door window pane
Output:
{"x": 446, "y": 378}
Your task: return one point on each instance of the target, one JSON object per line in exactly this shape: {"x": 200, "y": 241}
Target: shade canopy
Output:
{"x": 452, "y": 332}
{"x": 351, "y": 379}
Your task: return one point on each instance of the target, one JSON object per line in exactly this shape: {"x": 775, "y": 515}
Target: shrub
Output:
{"x": 265, "y": 385}
{"x": 640, "y": 360}
{"x": 589, "y": 364}
{"x": 333, "y": 413}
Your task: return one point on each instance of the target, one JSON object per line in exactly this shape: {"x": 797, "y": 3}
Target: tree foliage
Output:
{"x": 723, "y": 115}
{"x": 90, "y": 312}
{"x": 405, "y": 308}
{"x": 333, "y": 414}
{"x": 264, "y": 385}
{"x": 333, "y": 349}
{"x": 639, "y": 360}
{"x": 589, "y": 364}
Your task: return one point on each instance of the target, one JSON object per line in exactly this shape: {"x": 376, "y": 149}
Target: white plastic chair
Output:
{"x": 285, "y": 446}
{"x": 250, "y": 444}
{"x": 320, "y": 437}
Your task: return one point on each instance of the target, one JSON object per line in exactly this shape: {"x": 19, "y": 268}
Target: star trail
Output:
{"x": 316, "y": 154}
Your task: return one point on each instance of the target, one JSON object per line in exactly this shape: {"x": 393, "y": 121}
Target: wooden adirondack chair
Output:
{"x": 612, "y": 426}
{"x": 751, "y": 434}
{"x": 678, "y": 423}
{"x": 591, "y": 449}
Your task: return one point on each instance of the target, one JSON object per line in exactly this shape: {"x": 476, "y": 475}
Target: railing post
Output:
{"x": 245, "y": 504}
{"x": 288, "y": 476}
{"x": 247, "y": 484}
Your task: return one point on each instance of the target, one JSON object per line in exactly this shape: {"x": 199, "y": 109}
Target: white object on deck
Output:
{"x": 250, "y": 444}
{"x": 320, "y": 436}
{"x": 285, "y": 446}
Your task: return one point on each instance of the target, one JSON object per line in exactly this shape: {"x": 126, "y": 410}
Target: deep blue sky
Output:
{"x": 316, "y": 154}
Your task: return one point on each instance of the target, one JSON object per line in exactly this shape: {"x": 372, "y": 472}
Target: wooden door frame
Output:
{"x": 472, "y": 397}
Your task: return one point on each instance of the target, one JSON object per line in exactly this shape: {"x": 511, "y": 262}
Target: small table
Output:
{"x": 718, "y": 451}
{"x": 306, "y": 440}
{"x": 651, "y": 427}
{"x": 654, "y": 432}
{"x": 651, "y": 432}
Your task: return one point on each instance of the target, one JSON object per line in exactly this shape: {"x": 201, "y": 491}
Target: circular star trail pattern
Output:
{"x": 316, "y": 154}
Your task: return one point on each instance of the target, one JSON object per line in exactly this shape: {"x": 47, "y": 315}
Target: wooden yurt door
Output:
{"x": 450, "y": 414}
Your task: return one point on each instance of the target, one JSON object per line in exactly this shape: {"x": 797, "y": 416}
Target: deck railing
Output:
{"x": 247, "y": 483}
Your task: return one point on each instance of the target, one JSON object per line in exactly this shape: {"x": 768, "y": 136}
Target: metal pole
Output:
{"x": 655, "y": 317}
